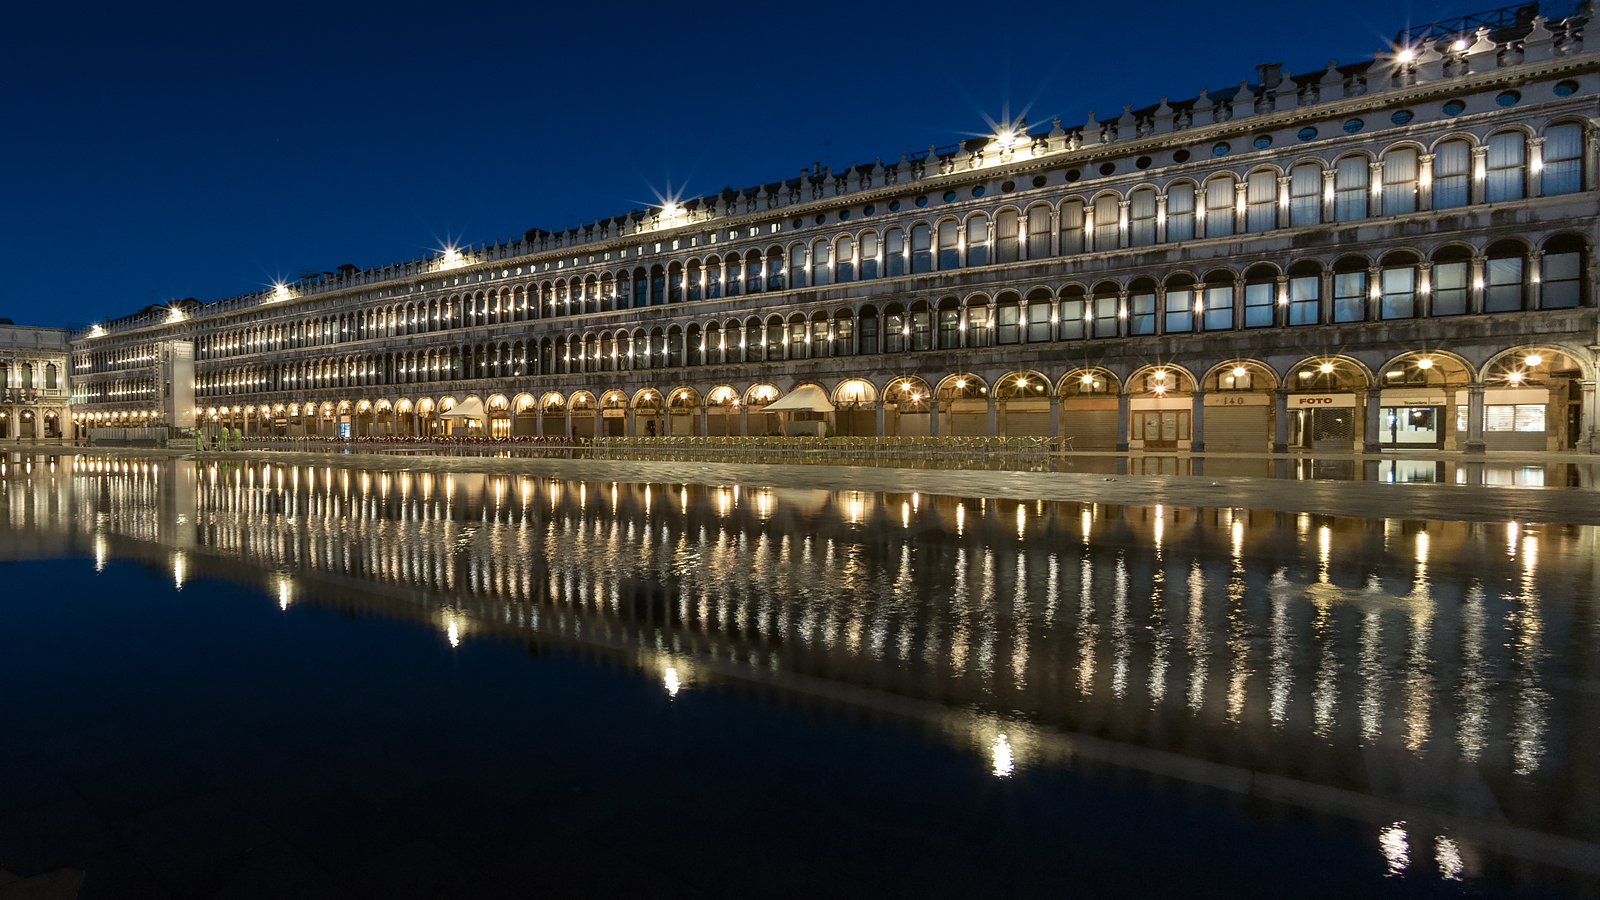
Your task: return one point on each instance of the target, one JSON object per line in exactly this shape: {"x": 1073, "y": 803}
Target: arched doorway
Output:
{"x": 906, "y": 407}
{"x": 1089, "y": 409}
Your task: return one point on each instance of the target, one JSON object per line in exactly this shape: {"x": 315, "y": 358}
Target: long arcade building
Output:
{"x": 1392, "y": 253}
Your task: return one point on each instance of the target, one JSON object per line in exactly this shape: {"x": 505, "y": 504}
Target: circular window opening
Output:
{"x": 1039, "y": 181}
{"x": 869, "y": 210}
{"x": 1454, "y": 108}
{"x": 844, "y": 215}
{"x": 1007, "y": 187}
{"x": 1142, "y": 162}
{"x": 1306, "y": 134}
{"x": 1351, "y": 126}
{"x": 821, "y": 219}
{"x": 1220, "y": 149}
{"x": 1263, "y": 141}
{"x": 949, "y": 196}
{"x": 977, "y": 191}
{"x": 799, "y": 223}
{"x": 1402, "y": 117}
{"x": 1108, "y": 168}
{"x": 894, "y": 206}
{"x": 1073, "y": 175}
{"x": 1507, "y": 98}
{"x": 1566, "y": 88}
{"x": 922, "y": 201}
{"x": 1181, "y": 156}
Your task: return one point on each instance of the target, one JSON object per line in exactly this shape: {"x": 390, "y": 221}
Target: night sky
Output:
{"x": 208, "y": 151}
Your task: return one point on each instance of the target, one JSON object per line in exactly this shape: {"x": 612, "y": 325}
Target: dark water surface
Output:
{"x": 248, "y": 679}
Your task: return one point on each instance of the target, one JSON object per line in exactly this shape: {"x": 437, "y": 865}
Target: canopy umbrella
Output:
{"x": 805, "y": 399}
{"x": 470, "y": 408}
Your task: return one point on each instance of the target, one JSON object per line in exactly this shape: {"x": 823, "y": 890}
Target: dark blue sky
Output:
{"x": 206, "y": 151}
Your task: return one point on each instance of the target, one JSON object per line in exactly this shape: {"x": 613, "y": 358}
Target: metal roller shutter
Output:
{"x": 1238, "y": 428}
{"x": 1090, "y": 429}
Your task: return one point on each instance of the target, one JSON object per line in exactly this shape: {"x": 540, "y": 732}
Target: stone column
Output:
{"x": 1535, "y": 280}
{"x": 993, "y": 416}
{"x": 1122, "y": 422}
{"x": 1535, "y": 167}
{"x": 1375, "y": 189}
{"x": 1424, "y": 289}
{"x": 1123, "y": 238}
{"x": 1372, "y": 440}
{"x": 1425, "y": 181}
{"x": 933, "y": 416}
{"x": 567, "y": 420}
{"x": 1586, "y": 419}
{"x": 744, "y": 421}
{"x": 1055, "y": 418}
{"x": 880, "y": 417}
{"x": 1282, "y": 202}
{"x": 1161, "y": 218}
{"x": 1280, "y": 308}
{"x": 1197, "y": 421}
{"x": 1280, "y": 423}
{"x": 1480, "y": 169}
{"x": 1240, "y": 205}
{"x": 1374, "y": 299}
{"x": 1474, "y": 419}
{"x": 538, "y": 418}
{"x": 1329, "y": 176}
{"x": 705, "y": 430}
{"x": 1476, "y": 289}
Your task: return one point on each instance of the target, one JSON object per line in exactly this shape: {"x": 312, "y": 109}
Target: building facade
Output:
{"x": 1395, "y": 253}
{"x": 35, "y": 400}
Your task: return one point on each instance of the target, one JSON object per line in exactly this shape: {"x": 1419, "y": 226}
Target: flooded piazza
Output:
{"x": 535, "y": 683}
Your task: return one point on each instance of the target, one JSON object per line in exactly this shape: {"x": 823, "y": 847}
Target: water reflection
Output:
{"x": 1362, "y": 667}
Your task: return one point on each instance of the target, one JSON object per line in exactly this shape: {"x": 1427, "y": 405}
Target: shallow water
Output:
{"x": 368, "y": 683}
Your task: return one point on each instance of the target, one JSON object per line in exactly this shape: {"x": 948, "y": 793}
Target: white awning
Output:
{"x": 805, "y": 399}
{"x": 470, "y": 408}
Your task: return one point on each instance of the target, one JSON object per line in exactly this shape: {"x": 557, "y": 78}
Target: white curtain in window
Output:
{"x": 1563, "y": 160}
{"x": 1399, "y": 182}
{"x": 1305, "y": 194}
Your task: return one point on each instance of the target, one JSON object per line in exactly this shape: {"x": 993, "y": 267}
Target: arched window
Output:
{"x": 1105, "y": 309}
{"x": 797, "y": 266}
{"x": 1399, "y": 181}
{"x": 1074, "y": 313}
{"x": 1506, "y": 165}
{"x": 1261, "y": 283}
{"x": 752, "y": 341}
{"x": 713, "y": 278}
{"x": 1008, "y": 319}
{"x": 949, "y": 245}
{"x": 1007, "y": 226}
{"x": 1350, "y": 290}
{"x": 1219, "y": 206}
{"x": 1563, "y": 160}
{"x": 50, "y": 376}
{"x": 867, "y": 330}
{"x": 1449, "y": 274}
{"x": 1505, "y": 277}
{"x": 868, "y": 266}
{"x": 921, "y": 249}
{"x": 821, "y": 271}
{"x": 1142, "y": 218}
{"x": 1071, "y": 227}
{"x": 1350, "y": 187}
{"x": 978, "y": 241}
{"x": 844, "y": 334}
{"x": 1039, "y": 232}
{"x": 735, "y": 276}
{"x": 1397, "y": 286}
{"x": 819, "y": 336}
{"x": 1179, "y": 310}
{"x": 949, "y": 323}
{"x": 695, "y": 275}
{"x": 844, "y": 260}
{"x": 894, "y": 252}
{"x": 1218, "y": 302}
{"x": 799, "y": 343}
{"x": 1180, "y": 212}
{"x": 1142, "y": 307}
{"x": 980, "y": 324}
{"x": 674, "y": 284}
{"x": 1107, "y": 211}
{"x": 921, "y": 327}
{"x": 1452, "y": 174}
{"x": 1261, "y": 201}
{"x": 1561, "y": 282}
{"x": 1040, "y": 320}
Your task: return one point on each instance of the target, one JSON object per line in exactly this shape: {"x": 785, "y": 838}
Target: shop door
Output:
{"x": 1162, "y": 429}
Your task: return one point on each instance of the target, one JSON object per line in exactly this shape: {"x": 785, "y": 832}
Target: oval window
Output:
{"x": 977, "y": 191}
{"x": 1108, "y": 168}
{"x": 1401, "y": 117}
{"x": 1507, "y": 98}
{"x": 1263, "y": 141}
{"x": 869, "y": 210}
{"x": 844, "y": 216}
{"x": 1007, "y": 187}
{"x": 821, "y": 219}
{"x": 1181, "y": 156}
{"x": 1566, "y": 88}
{"x": 799, "y": 223}
{"x": 1039, "y": 181}
{"x": 894, "y": 206}
{"x": 922, "y": 201}
{"x": 1073, "y": 175}
{"x": 1142, "y": 162}
{"x": 1454, "y": 108}
{"x": 949, "y": 196}
{"x": 1307, "y": 133}
{"x": 1220, "y": 149}
{"x": 1351, "y": 126}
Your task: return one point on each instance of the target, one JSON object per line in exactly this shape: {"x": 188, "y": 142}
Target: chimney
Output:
{"x": 1269, "y": 75}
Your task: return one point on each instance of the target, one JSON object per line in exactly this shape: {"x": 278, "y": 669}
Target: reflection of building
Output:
{"x": 1395, "y": 252}
{"x": 35, "y": 401}
{"x": 1425, "y": 665}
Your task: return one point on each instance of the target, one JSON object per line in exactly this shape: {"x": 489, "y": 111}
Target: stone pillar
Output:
{"x": 1586, "y": 420}
{"x": 1122, "y": 422}
{"x": 744, "y": 420}
{"x": 1280, "y": 423}
{"x": 1474, "y": 419}
{"x": 1475, "y": 286}
{"x": 1329, "y": 176}
{"x": 1373, "y": 302}
{"x": 933, "y": 416}
{"x": 1240, "y": 205}
{"x": 538, "y": 418}
{"x": 1424, "y": 289}
{"x": 1123, "y": 237}
{"x": 1535, "y": 280}
{"x": 1197, "y": 421}
{"x": 705, "y": 430}
{"x": 993, "y": 416}
{"x": 1480, "y": 170}
{"x": 1535, "y": 164}
{"x": 1161, "y": 218}
{"x": 1280, "y": 308}
{"x": 1425, "y": 181}
{"x": 1281, "y": 204}
{"x": 1372, "y": 440}
{"x": 567, "y": 420}
{"x": 880, "y": 412}
{"x": 1055, "y": 418}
